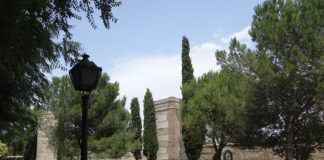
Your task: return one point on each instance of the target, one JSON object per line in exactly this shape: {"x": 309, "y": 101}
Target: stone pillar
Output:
{"x": 168, "y": 128}
{"x": 45, "y": 151}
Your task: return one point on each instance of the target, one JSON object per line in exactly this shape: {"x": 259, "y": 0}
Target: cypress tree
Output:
{"x": 192, "y": 136}
{"x": 136, "y": 126}
{"x": 187, "y": 69}
{"x": 151, "y": 145}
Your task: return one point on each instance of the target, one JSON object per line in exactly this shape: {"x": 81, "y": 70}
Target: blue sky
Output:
{"x": 142, "y": 50}
{"x": 158, "y": 25}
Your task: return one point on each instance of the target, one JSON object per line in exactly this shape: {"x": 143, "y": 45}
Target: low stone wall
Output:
{"x": 318, "y": 155}
{"x": 239, "y": 153}
{"x": 253, "y": 154}
{"x": 207, "y": 153}
{"x": 127, "y": 156}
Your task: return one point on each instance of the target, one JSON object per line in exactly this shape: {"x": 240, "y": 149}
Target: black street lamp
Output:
{"x": 85, "y": 76}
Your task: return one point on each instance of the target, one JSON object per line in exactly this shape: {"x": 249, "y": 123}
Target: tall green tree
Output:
{"x": 293, "y": 44}
{"x": 220, "y": 99}
{"x": 108, "y": 119}
{"x": 192, "y": 133}
{"x": 151, "y": 145}
{"x": 187, "y": 69}
{"x": 136, "y": 128}
{"x": 288, "y": 74}
{"x": 35, "y": 38}
{"x": 240, "y": 59}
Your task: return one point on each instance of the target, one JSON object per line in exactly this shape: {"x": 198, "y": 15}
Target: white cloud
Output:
{"x": 203, "y": 57}
{"x": 161, "y": 73}
{"x": 243, "y": 36}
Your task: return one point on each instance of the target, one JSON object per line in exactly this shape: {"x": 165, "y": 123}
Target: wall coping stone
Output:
{"x": 167, "y": 101}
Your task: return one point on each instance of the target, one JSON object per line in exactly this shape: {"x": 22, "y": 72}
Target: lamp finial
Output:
{"x": 85, "y": 56}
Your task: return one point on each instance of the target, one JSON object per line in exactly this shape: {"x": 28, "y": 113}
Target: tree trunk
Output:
{"x": 218, "y": 150}
{"x": 217, "y": 155}
{"x": 137, "y": 154}
{"x": 289, "y": 151}
{"x": 290, "y": 138}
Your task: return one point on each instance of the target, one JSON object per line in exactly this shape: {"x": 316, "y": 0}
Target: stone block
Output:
{"x": 45, "y": 151}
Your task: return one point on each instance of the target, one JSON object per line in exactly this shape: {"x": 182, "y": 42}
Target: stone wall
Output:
{"x": 127, "y": 156}
{"x": 45, "y": 151}
{"x": 251, "y": 154}
{"x": 240, "y": 153}
{"x": 318, "y": 155}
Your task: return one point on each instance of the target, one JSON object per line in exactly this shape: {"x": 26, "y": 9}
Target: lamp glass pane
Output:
{"x": 88, "y": 78}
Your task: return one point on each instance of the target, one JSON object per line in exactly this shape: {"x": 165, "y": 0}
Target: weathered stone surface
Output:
{"x": 128, "y": 156}
{"x": 318, "y": 155}
{"x": 207, "y": 153}
{"x": 240, "y": 153}
{"x": 253, "y": 154}
{"x": 168, "y": 128}
{"x": 45, "y": 151}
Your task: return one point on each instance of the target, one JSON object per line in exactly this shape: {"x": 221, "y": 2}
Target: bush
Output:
{"x": 3, "y": 149}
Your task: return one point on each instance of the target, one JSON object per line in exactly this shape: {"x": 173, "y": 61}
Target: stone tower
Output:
{"x": 168, "y": 128}
{"x": 45, "y": 151}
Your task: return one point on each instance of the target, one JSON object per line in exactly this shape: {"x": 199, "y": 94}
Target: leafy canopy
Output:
{"x": 219, "y": 100}
{"x": 287, "y": 70}
{"x": 108, "y": 119}
{"x": 35, "y": 39}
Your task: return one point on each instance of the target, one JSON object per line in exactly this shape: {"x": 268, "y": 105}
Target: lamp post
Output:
{"x": 85, "y": 76}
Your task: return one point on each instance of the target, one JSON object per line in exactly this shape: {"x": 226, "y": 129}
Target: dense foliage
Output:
{"x": 108, "y": 119}
{"x": 3, "y": 149}
{"x": 20, "y": 139}
{"x": 293, "y": 45}
{"x": 136, "y": 128}
{"x": 220, "y": 100}
{"x": 287, "y": 69}
{"x": 35, "y": 37}
{"x": 150, "y": 140}
{"x": 187, "y": 69}
{"x": 192, "y": 133}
